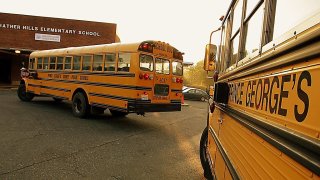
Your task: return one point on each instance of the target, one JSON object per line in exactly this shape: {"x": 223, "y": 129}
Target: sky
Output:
{"x": 184, "y": 24}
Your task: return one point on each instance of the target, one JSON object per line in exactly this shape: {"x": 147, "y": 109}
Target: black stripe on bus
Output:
{"x": 112, "y": 97}
{"x": 88, "y": 73}
{"x": 34, "y": 85}
{"x": 224, "y": 155}
{"x": 130, "y": 100}
{"x": 56, "y": 89}
{"x": 51, "y": 88}
{"x": 176, "y": 90}
{"x": 296, "y": 145}
{"x": 109, "y": 107}
{"x": 100, "y": 84}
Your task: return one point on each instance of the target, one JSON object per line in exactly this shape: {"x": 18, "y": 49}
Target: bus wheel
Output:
{"x": 23, "y": 94}
{"x": 80, "y": 106}
{"x": 203, "y": 154}
{"x": 118, "y": 113}
{"x": 57, "y": 99}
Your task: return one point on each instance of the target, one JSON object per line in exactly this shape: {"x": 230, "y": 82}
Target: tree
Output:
{"x": 195, "y": 76}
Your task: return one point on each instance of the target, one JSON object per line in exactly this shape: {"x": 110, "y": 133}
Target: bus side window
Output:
{"x": 97, "y": 62}
{"x": 124, "y": 62}
{"x": 67, "y": 63}
{"x": 86, "y": 62}
{"x": 39, "y": 63}
{"x": 53, "y": 61}
{"x": 76, "y": 62}
{"x": 59, "y": 63}
{"x": 235, "y": 36}
{"x": 110, "y": 62}
{"x": 253, "y": 25}
{"x": 46, "y": 63}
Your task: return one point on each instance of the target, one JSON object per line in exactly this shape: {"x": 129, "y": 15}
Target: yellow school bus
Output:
{"x": 124, "y": 78}
{"x": 264, "y": 113}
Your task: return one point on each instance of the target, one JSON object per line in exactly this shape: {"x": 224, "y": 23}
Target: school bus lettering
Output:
{"x": 84, "y": 78}
{"x": 263, "y": 114}
{"x": 57, "y": 76}
{"x": 260, "y": 94}
{"x": 303, "y": 96}
{"x": 74, "y": 77}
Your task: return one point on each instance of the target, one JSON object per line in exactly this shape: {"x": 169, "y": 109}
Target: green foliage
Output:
{"x": 195, "y": 76}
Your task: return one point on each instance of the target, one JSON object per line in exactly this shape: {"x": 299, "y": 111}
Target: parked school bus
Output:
{"x": 263, "y": 118}
{"x": 124, "y": 78}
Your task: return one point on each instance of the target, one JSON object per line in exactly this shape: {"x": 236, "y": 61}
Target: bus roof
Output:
{"x": 101, "y": 48}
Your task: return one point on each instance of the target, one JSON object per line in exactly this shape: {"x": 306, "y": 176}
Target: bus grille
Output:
{"x": 161, "y": 90}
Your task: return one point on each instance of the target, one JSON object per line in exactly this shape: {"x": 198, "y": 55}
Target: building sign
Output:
{"x": 39, "y": 33}
{"x": 48, "y": 29}
{"x": 47, "y": 37}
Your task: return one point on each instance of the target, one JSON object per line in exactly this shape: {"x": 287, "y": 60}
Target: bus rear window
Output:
{"x": 146, "y": 62}
{"x": 162, "y": 66}
{"x": 177, "y": 68}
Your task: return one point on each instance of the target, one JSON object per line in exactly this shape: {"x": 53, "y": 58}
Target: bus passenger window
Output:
{"x": 124, "y": 62}
{"x": 254, "y": 31}
{"x": 53, "y": 61}
{"x": 39, "y": 63}
{"x": 46, "y": 63}
{"x": 237, "y": 15}
{"x": 76, "y": 62}
{"x": 67, "y": 63}
{"x": 110, "y": 62}
{"x": 86, "y": 63}
{"x": 59, "y": 63}
{"x": 146, "y": 62}
{"x": 97, "y": 62}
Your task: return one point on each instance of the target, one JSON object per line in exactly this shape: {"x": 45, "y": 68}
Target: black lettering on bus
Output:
{"x": 241, "y": 93}
{"x": 283, "y": 94}
{"x": 248, "y": 95}
{"x": 258, "y": 92}
{"x": 303, "y": 96}
{"x": 273, "y": 108}
{"x": 266, "y": 86}
{"x": 253, "y": 93}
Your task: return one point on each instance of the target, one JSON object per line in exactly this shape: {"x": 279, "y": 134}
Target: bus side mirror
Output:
{"x": 210, "y": 57}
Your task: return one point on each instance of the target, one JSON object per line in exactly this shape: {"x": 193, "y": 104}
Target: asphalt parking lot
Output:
{"x": 42, "y": 140}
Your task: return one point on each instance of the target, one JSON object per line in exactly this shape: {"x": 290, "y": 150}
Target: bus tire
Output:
{"x": 23, "y": 94}
{"x": 80, "y": 105}
{"x": 118, "y": 113}
{"x": 203, "y": 157}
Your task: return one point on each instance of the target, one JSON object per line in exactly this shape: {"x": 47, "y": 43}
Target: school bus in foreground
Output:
{"x": 264, "y": 113}
{"x": 124, "y": 78}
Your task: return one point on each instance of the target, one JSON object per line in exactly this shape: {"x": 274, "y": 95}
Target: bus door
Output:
{"x": 162, "y": 80}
